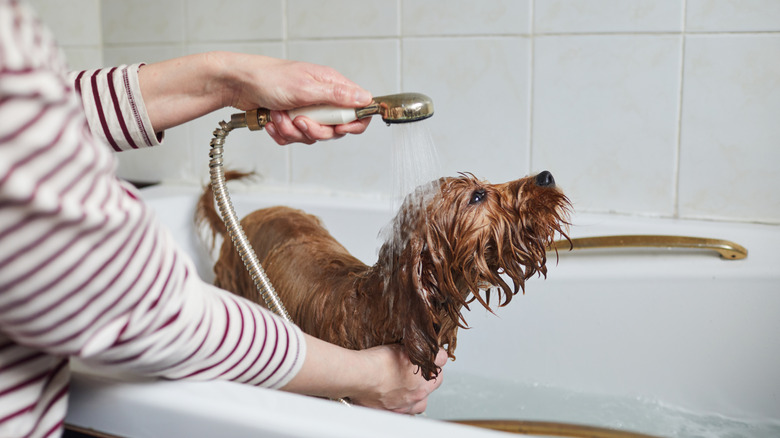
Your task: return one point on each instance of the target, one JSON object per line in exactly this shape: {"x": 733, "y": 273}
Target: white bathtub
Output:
{"x": 667, "y": 342}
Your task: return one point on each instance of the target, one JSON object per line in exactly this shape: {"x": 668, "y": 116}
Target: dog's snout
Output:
{"x": 545, "y": 179}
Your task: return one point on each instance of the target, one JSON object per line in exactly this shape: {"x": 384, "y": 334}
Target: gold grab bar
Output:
{"x": 727, "y": 250}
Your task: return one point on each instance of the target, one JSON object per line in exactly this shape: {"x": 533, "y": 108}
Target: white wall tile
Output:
{"x": 370, "y": 63}
{"x": 234, "y": 20}
{"x": 167, "y": 162}
{"x": 480, "y": 90}
{"x": 342, "y": 18}
{"x": 143, "y": 21}
{"x": 462, "y": 17}
{"x": 730, "y": 140}
{"x": 147, "y": 54}
{"x": 732, "y": 15}
{"x": 353, "y": 163}
{"x": 605, "y": 119}
{"x": 244, "y": 150}
{"x": 171, "y": 161}
{"x": 605, "y": 107}
{"x": 83, "y": 58}
{"x": 74, "y": 23}
{"x": 356, "y": 164}
{"x": 578, "y": 16}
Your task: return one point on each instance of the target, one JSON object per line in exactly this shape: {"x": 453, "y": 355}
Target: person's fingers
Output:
{"x": 346, "y": 94}
{"x": 285, "y": 131}
{"x": 331, "y": 87}
{"x": 313, "y": 130}
{"x": 420, "y": 407}
{"x": 356, "y": 127}
{"x": 441, "y": 358}
{"x": 437, "y": 382}
{"x": 271, "y": 130}
{"x": 303, "y": 128}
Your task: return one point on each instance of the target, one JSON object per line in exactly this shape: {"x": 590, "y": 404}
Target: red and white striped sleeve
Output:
{"x": 85, "y": 268}
{"x": 112, "y": 103}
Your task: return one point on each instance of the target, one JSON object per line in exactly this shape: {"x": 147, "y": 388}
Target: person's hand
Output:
{"x": 398, "y": 385}
{"x": 380, "y": 377}
{"x": 182, "y": 89}
{"x": 277, "y": 84}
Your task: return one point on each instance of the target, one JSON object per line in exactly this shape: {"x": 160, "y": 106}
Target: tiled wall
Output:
{"x": 654, "y": 107}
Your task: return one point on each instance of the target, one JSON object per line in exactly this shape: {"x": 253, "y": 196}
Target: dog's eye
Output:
{"x": 477, "y": 196}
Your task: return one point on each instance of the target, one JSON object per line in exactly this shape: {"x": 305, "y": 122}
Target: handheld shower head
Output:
{"x": 399, "y": 108}
{"x": 393, "y": 108}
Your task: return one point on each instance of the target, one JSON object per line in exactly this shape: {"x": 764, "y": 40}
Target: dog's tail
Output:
{"x": 206, "y": 214}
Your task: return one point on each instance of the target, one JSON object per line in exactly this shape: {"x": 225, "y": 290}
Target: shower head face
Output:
{"x": 404, "y": 107}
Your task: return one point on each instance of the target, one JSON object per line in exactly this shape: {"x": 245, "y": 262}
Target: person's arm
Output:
{"x": 182, "y": 89}
{"x": 380, "y": 377}
{"x": 86, "y": 270}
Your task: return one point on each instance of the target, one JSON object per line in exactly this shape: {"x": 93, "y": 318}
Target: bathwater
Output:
{"x": 463, "y": 396}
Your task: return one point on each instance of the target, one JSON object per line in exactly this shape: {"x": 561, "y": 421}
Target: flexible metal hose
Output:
{"x": 234, "y": 229}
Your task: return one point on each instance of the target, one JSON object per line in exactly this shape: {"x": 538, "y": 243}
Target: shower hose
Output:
{"x": 234, "y": 229}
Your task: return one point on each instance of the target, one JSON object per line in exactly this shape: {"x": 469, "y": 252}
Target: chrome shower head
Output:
{"x": 399, "y": 108}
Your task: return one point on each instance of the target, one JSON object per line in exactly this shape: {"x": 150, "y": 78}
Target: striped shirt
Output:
{"x": 85, "y": 269}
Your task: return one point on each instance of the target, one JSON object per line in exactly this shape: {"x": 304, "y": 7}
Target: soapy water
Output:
{"x": 470, "y": 397}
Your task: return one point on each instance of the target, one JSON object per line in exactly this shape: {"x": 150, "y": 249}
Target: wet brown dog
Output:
{"x": 446, "y": 246}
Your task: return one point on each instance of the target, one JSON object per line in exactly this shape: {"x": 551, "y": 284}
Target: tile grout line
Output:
{"x": 680, "y": 103}
{"x": 400, "y": 60}
{"x": 286, "y": 55}
{"x": 531, "y": 79}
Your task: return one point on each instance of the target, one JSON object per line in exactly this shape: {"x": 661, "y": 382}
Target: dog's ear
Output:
{"x": 418, "y": 274}
{"x": 421, "y": 320}
{"x": 434, "y": 274}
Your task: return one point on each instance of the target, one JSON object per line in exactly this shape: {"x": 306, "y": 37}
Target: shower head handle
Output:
{"x": 393, "y": 108}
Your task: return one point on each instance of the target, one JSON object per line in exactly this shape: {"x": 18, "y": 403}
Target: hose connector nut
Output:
{"x": 256, "y": 119}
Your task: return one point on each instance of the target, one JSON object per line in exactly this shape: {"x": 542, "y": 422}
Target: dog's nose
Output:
{"x": 545, "y": 179}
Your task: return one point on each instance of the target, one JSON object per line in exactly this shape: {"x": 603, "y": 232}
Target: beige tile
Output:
{"x": 730, "y": 140}
{"x": 244, "y": 150}
{"x": 732, "y": 15}
{"x": 74, "y": 23}
{"x": 577, "y": 16}
{"x": 84, "y": 58}
{"x": 143, "y": 21}
{"x": 234, "y": 20}
{"x": 461, "y": 17}
{"x": 354, "y": 163}
{"x": 605, "y": 119}
{"x": 342, "y": 18}
{"x": 480, "y": 89}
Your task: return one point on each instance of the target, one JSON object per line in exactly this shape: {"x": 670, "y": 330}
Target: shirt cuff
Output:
{"x": 115, "y": 109}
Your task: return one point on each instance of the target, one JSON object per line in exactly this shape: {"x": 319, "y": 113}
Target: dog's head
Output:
{"x": 459, "y": 240}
